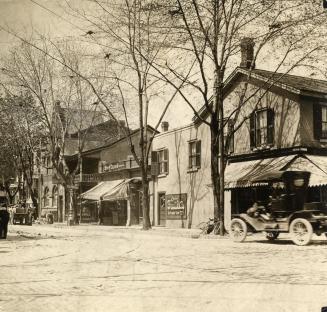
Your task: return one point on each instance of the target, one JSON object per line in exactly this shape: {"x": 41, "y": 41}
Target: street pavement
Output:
{"x": 98, "y": 268}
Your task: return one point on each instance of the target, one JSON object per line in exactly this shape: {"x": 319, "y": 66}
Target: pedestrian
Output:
{"x": 11, "y": 214}
{"x": 4, "y": 219}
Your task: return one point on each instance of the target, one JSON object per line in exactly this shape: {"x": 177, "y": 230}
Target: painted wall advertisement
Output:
{"x": 176, "y": 206}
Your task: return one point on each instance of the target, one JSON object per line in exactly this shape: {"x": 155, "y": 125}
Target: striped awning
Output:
{"x": 241, "y": 174}
{"x": 110, "y": 190}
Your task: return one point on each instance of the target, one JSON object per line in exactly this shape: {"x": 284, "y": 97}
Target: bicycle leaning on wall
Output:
{"x": 212, "y": 225}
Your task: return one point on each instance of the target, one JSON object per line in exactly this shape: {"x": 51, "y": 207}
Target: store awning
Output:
{"x": 243, "y": 173}
{"x": 120, "y": 191}
{"x": 110, "y": 190}
{"x": 98, "y": 191}
{"x": 317, "y": 165}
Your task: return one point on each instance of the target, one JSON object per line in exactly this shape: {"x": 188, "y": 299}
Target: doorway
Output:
{"x": 60, "y": 208}
{"x": 162, "y": 212}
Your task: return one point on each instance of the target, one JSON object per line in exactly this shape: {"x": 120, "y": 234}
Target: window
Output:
{"x": 262, "y": 128}
{"x": 163, "y": 161}
{"x": 194, "y": 154}
{"x": 319, "y": 121}
{"x": 324, "y": 121}
{"x": 229, "y": 137}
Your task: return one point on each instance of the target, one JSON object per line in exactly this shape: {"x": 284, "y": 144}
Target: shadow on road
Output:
{"x": 287, "y": 242}
{"x": 24, "y": 237}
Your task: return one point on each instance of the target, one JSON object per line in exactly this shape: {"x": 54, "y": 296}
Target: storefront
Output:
{"x": 113, "y": 202}
{"x": 239, "y": 176}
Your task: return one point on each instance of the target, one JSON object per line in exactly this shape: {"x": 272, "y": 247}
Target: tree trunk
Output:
{"x": 215, "y": 166}
{"x": 145, "y": 201}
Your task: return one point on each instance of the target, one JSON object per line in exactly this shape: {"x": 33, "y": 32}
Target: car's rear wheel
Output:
{"x": 272, "y": 235}
{"x": 301, "y": 231}
{"x": 238, "y": 230}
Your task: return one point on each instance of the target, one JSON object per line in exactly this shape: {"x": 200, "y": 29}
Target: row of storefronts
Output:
{"x": 283, "y": 131}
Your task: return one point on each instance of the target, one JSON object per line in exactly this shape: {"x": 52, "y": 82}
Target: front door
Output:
{"x": 162, "y": 212}
{"x": 60, "y": 208}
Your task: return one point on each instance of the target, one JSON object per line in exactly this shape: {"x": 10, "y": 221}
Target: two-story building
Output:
{"x": 281, "y": 124}
{"x": 110, "y": 183}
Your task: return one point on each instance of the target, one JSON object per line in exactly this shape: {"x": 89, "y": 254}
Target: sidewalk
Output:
{"x": 61, "y": 228}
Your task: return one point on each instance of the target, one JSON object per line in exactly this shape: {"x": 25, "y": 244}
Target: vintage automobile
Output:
{"x": 23, "y": 215}
{"x": 286, "y": 213}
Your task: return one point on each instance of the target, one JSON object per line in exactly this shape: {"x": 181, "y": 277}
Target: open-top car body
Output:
{"x": 284, "y": 213}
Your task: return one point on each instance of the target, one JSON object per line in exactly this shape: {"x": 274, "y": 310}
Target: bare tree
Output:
{"x": 123, "y": 31}
{"x": 20, "y": 133}
{"x": 210, "y": 33}
{"x": 65, "y": 105}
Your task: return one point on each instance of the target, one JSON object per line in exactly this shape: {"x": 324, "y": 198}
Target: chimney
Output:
{"x": 164, "y": 126}
{"x": 247, "y": 53}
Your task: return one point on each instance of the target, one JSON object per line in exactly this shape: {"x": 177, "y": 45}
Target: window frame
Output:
{"x": 323, "y": 122}
{"x": 196, "y": 155}
{"x": 269, "y": 128}
{"x": 164, "y": 162}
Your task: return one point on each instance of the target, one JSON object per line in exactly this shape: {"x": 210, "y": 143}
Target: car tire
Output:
{"x": 238, "y": 230}
{"x": 301, "y": 231}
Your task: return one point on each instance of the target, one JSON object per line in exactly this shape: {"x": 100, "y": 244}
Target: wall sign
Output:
{"x": 176, "y": 206}
{"x": 109, "y": 167}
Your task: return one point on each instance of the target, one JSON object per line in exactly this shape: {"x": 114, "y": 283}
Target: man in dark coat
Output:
{"x": 4, "y": 219}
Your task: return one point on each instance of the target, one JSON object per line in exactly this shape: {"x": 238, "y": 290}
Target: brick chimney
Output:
{"x": 247, "y": 53}
{"x": 164, "y": 126}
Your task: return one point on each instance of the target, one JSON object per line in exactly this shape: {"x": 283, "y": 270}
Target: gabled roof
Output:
{"x": 99, "y": 148}
{"x": 295, "y": 84}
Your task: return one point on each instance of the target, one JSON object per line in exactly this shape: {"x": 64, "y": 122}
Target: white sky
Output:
{"x": 24, "y": 17}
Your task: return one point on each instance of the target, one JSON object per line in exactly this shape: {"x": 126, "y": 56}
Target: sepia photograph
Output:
{"x": 163, "y": 155}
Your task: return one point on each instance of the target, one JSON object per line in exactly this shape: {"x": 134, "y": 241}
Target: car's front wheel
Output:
{"x": 238, "y": 230}
{"x": 301, "y": 231}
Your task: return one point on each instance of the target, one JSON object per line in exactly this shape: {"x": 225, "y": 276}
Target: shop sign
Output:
{"x": 114, "y": 166}
{"x": 176, "y": 206}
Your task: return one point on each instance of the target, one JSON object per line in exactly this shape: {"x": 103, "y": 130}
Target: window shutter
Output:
{"x": 230, "y": 146}
{"x": 252, "y": 130}
{"x": 154, "y": 163}
{"x": 198, "y": 154}
{"x": 270, "y": 126}
{"x": 166, "y": 157}
{"x": 190, "y": 155}
{"x": 316, "y": 121}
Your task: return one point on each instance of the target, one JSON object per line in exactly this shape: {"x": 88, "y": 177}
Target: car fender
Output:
{"x": 253, "y": 223}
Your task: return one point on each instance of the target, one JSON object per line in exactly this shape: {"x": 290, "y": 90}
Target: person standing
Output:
{"x": 4, "y": 219}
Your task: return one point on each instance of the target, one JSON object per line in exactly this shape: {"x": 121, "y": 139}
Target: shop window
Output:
{"x": 163, "y": 161}
{"x": 320, "y": 121}
{"x": 262, "y": 128}
{"x": 194, "y": 154}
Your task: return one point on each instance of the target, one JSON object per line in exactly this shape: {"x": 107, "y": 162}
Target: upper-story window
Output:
{"x": 163, "y": 161}
{"x": 262, "y": 128}
{"x": 194, "y": 154}
{"x": 229, "y": 137}
{"x": 320, "y": 121}
{"x": 324, "y": 121}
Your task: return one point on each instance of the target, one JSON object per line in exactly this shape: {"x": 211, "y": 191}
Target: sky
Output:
{"x": 28, "y": 16}
{"x": 49, "y": 17}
